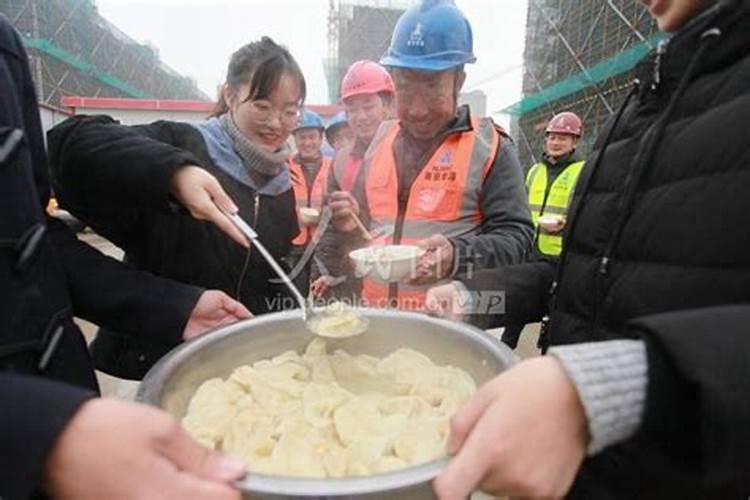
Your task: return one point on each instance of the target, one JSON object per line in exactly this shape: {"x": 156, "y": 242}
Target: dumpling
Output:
{"x": 319, "y": 401}
{"x": 330, "y": 415}
{"x": 420, "y": 441}
{"x": 211, "y": 409}
{"x": 250, "y": 438}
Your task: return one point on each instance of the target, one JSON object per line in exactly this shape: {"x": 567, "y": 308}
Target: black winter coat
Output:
{"x": 45, "y": 369}
{"x": 116, "y": 178}
{"x": 657, "y": 247}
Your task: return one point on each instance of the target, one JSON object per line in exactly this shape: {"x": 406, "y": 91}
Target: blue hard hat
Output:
{"x": 336, "y": 122}
{"x": 309, "y": 119}
{"x": 432, "y": 36}
{"x": 338, "y": 119}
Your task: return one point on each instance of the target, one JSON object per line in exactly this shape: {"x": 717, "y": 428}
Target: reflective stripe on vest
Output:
{"x": 444, "y": 198}
{"x": 557, "y": 202}
{"x": 308, "y": 198}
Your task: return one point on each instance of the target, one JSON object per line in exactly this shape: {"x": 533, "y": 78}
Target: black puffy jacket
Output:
{"x": 658, "y": 247}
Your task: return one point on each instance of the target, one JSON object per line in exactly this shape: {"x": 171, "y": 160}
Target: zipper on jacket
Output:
{"x": 661, "y": 49}
{"x": 246, "y": 264}
{"x": 309, "y": 187}
{"x": 256, "y": 209}
{"x": 547, "y": 190}
{"x": 644, "y": 164}
{"x": 573, "y": 216}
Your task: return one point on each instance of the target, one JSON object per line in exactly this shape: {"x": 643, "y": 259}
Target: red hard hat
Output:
{"x": 366, "y": 77}
{"x": 565, "y": 123}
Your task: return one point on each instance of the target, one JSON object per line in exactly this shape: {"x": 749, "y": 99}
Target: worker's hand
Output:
{"x": 553, "y": 228}
{"x": 118, "y": 449}
{"x": 320, "y": 286}
{"x": 436, "y": 261}
{"x": 450, "y": 301}
{"x": 343, "y": 205}
{"x": 200, "y": 193}
{"x": 523, "y": 434}
{"x": 213, "y": 309}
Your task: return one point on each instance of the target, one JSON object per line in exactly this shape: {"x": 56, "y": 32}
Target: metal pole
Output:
{"x": 526, "y": 142}
{"x": 578, "y": 62}
{"x": 38, "y": 57}
{"x": 629, "y": 24}
{"x": 15, "y": 20}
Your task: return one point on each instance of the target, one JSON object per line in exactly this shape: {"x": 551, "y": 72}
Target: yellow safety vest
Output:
{"x": 556, "y": 203}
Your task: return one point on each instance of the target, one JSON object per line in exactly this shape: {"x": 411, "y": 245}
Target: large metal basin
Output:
{"x": 173, "y": 380}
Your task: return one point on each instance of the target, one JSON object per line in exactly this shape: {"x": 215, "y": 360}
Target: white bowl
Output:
{"x": 387, "y": 263}
{"x": 550, "y": 219}
{"x": 309, "y": 216}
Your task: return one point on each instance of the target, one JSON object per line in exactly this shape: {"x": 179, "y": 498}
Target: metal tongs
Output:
{"x": 313, "y": 320}
{"x": 252, "y": 238}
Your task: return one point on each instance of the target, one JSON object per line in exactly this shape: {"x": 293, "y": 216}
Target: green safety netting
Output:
{"x": 50, "y": 48}
{"x": 613, "y": 66}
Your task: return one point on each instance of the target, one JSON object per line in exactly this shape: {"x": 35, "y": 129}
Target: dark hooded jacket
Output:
{"x": 46, "y": 277}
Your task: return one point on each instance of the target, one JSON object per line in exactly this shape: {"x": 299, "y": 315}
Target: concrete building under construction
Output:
{"x": 75, "y": 51}
{"x": 579, "y": 57}
{"x": 358, "y": 29}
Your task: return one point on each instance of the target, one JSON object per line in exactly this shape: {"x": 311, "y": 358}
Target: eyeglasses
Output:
{"x": 264, "y": 112}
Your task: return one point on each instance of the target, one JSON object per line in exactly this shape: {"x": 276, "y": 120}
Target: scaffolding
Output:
{"x": 579, "y": 56}
{"x": 75, "y": 51}
{"x": 358, "y": 29}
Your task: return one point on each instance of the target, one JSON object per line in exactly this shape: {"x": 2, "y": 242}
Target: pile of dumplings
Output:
{"x": 321, "y": 415}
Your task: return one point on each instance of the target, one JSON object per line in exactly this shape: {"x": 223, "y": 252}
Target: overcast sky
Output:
{"x": 196, "y": 38}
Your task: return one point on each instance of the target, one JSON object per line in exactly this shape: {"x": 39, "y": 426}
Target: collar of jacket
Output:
{"x": 662, "y": 71}
{"x": 563, "y": 162}
{"x": 461, "y": 123}
{"x": 222, "y": 153}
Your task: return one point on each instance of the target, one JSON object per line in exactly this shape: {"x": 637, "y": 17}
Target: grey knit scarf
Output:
{"x": 255, "y": 159}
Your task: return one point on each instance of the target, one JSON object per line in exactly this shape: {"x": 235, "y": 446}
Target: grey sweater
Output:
{"x": 611, "y": 379}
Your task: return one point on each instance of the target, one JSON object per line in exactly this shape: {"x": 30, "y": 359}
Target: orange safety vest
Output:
{"x": 308, "y": 197}
{"x": 345, "y": 170}
{"x": 444, "y": 198}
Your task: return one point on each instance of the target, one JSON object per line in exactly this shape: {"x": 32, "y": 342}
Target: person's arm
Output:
{"x": 35, "y": 411}
{"x": 324, "y": 250}
{"x": 110, "y": 175}
{"x": 506, "y": 233}
{"x": 699, "y": 381}
{"x": 336, "y": 243}
{"x": 111, "y": 294}
{"x": 60, "y": 440}
{"x": 490, "y": 298}
{"x": 96, "y": 160}
{"x": 682, "y": 387}
{"x": 681, "y": 390}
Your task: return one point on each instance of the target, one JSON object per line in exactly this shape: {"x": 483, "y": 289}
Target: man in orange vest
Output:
{"x": 309, "y": 172}
{"x": 367, "y": 93}
{"x": 437, "y": 176}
